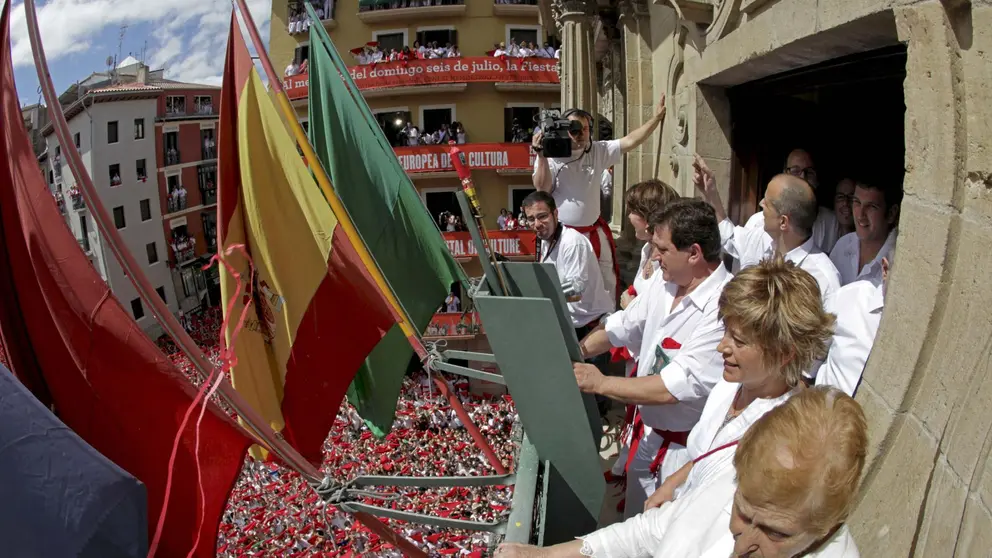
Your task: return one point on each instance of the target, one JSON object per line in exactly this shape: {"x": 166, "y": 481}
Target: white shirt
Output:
{"x": 711, "y": 433}
{"x": 858, "y": 307}
{"x": 640, "y": 282}
{"x": 695, "y": 366}
{"x": 574, "y": 259}
{"x": 751, "y": 246}
{"x": 576, "y": 181}
{"x": 697, "y": 524}
{"x": 847, "y": 254}
{"x": 824, "y": 229}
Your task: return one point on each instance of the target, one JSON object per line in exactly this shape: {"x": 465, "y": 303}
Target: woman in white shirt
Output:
{"x": 775, "y": 327}
{"x": 791, "y": 486}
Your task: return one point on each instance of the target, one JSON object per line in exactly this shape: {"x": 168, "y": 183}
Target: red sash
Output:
{"x": 714, "y": 450}
{"x": 597, "y": 247}
{"x": 669, "y": 438}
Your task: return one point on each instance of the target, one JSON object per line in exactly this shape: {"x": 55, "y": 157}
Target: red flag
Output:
{"x": 108, "y": 381}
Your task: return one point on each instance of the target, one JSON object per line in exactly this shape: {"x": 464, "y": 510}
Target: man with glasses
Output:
{"x": 572, "y": 255}
{"x": 800, "y": 164}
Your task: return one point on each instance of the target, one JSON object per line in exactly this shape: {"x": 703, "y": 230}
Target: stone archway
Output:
{"x": 927, "y": 390}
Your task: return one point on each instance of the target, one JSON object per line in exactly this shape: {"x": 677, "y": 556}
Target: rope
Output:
{"x": 338, "y": 493}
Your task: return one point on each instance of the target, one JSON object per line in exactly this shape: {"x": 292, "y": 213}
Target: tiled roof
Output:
{"x": 125, "y": 87}
{"x": 170, "y": 84}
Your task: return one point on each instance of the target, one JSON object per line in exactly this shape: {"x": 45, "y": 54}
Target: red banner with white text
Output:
{"x": 472, "y": 69}
{"x": 481, "y": 156}
{"x": 512, "y": 244}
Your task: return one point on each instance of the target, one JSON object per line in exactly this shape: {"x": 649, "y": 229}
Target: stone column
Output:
{"x": 578, "y": 69}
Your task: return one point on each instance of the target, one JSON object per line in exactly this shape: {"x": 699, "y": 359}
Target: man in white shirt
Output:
{"x": 790, "y": 210}
{"x": 858, "y": 255}
{"x": 575, "y": 182}
{"x": 573, "y": 258}
{"x": 799, "y": 163}
{"x": 676, "y": 325}
{"x": 858, "y": 307}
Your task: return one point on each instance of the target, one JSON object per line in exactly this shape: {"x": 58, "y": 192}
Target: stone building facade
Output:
{"x": 916, "y": 98}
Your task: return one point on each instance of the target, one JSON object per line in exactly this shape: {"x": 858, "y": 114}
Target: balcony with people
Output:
{"x": 379, "y": 11}
{"x": 175, "y": 106}
{"x": 177, "y": 200}
{"x": 515, "y": 8}
{"x": 203, "y": 105}
{"x": 171, "y": 154}
{"x": 207, "y": 176}
{"x": 77, "y": 198}
{"x": 208, "y": 144}
{"x": 299, "y": 21}
{"x": 435, "y": 64}
{"x": 183, "y": 245}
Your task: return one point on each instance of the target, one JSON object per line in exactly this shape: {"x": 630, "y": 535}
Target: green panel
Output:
{"x": 560, "y": 523}
{"x": 541, "y": 280}
{"x": 535, "y": 363}
{"x": 520, "y": 523}
{"x": 490, "y": 274}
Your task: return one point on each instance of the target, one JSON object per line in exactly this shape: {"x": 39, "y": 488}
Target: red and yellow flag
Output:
{"x": 316, "y": 312}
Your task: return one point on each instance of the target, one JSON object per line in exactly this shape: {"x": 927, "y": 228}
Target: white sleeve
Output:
{"x": 607, "y": 154}
{"x": 578, "y": 261}
{"x": 639, "y": 536}
{"x": 696, "y": 368}
{"x": 746, "y": 245}
{"x": 626, "y": 327}
{"x": 756, "y": 221}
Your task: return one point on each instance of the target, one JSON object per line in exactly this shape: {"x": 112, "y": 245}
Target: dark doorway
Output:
{"x": 441, "y": 203}
{"x": 519, "y": 123}
{"x": 849, "y": 113}
{"x": 442, "y": 37}
{"x": 435, "y": 118}
{"x": 393, "y": 124}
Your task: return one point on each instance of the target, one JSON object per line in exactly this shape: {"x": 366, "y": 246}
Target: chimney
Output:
{"x": 142, "y": 74}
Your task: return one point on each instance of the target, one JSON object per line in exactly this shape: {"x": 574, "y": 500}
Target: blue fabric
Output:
{"x": 59, "y": 497}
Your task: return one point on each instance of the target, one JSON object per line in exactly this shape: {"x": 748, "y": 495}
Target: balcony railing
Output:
{"x": 480, "y": 156}
{"x": 298, "y": 14}
{"x": 540, "y": 72}
{"x": 183, "y": 249}
{"x": 376, "y": 11}
{"x": 515, "y": 8}
{"x": 172, "y": 157}
{"x": 84, "y": 243}
{"x": 176, "y": 204}
{"x": 174, "y": 112}
{"x": 77, "y": 201}
{"x": 207, "y": 153}
{"x": 204, "y": 110}
{"x": 515, "y": 245}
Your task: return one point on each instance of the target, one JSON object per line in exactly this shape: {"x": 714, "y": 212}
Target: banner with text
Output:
{"x": 438, "y": 71}
{"x": 512, "y": 244}
{"x": 481, "y": 156}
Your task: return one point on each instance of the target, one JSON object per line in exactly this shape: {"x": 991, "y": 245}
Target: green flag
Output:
{"x": 387, "y": 211}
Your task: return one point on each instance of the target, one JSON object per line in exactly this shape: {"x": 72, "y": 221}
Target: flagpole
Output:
{"x": 344, "y": 219}
{"x": 258, "y": 428}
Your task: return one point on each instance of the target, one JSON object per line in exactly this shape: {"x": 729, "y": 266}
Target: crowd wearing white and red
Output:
{"x": 271, "y": 511}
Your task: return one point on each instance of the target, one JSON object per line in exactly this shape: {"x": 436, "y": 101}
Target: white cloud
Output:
{"x": 189, "y": 40}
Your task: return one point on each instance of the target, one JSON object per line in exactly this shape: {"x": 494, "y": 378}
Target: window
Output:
{"x": 84, "y": 232}
{"x": 210, "y": 229}
{"x": 189, "y": 282}
{"x": 75, "y": 139}
{"x": 171, "y": 148}
{"x": 524, "y": 117}
{"x": 306, "y": 126}
{"x": 152, "y": 250}
{"x": 517, "y": 195}
{"x": 393, "y": 123}
{"x": 431, "y": 118}
{"x": 58, "y": 150}
{"x": 137, "y": 309}
{"x": 161, "y": 294}
{"x": 522, "y": 34}
{"x": 203, "y": 104}
{"x": 302, "y": 53}
{"x": 139, "y": 128}
{"x": 175, "y": 105}
{"x": 207, "y": 176}
{"x": 139, "y": 170}
{"x": 388, "y": 41}
{"x": 441, "y": 202}
{"x": 112, "y": 131}
{"x": 443, "y": 37}
{"x": 208, "y": 149}
{"x": 115, "y": 174}
{"x": 146, "y": 210}
{"x": 119, "y": 217}
{"x": 51, "y": 177}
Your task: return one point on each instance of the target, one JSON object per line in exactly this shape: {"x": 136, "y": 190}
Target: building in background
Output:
{"x": 432, "y": 94}
{"x": 150, "y": 148}
{"x": 35, "y": 119}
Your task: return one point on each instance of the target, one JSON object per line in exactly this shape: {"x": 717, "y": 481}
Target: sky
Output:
{"x": 186, "y": 37}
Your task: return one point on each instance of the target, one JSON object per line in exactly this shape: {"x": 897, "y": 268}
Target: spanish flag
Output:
{"x": 315, "y": 313}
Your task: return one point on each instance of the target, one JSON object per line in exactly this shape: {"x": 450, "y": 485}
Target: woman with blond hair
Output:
{"x": 797, "y": 468}
{"x": 641, "y": 200}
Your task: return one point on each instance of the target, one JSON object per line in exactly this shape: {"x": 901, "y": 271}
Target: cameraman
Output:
{"x": 574, "y": 183}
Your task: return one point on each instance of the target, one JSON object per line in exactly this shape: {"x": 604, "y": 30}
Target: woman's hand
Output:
{"x": 625, "y": 300}
{"x": 665, "y": 493}
{"x": 517, "y": 550}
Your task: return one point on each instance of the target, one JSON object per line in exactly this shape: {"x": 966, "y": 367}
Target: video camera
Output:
{"x": 555, "y": 130}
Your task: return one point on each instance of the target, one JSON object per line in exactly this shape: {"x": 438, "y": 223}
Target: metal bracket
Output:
{"x": 466, "y": 355}
{"x": 433, "y": 482}
{"x": 469, "y": 372}
{"x": 443, "y": 522}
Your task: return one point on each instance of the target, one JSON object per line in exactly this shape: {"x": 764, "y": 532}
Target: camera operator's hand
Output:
{"x": 535, "y": 142}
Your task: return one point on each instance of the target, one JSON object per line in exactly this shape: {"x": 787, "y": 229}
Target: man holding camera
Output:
{"x": 574, "y": 179}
